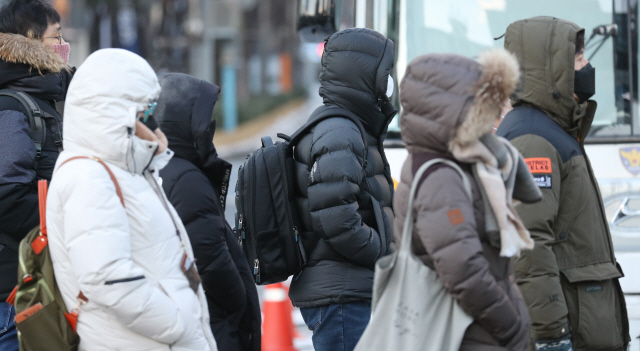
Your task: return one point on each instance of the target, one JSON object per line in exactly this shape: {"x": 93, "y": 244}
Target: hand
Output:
{"x": 561, "y": 344}
{"x": 158, "y": 136}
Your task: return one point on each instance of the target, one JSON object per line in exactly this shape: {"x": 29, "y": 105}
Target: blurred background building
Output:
{"x": 248, "y": 47}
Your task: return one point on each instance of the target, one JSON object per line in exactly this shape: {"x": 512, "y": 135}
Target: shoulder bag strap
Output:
{"x": 113, "y": 177}
{"x": 408, "y": 222}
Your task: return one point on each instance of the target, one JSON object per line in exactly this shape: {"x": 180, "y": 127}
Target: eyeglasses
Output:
{"x": 59, "y": 37}
{"x": 143, "y": 116}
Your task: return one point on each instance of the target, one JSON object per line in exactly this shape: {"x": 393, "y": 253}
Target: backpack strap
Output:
{"x": 331, "y": 112}
{"x": 113, "y": 177}
{"x": 34, "y": 116}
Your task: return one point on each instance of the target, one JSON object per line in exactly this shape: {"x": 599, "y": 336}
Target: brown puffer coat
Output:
{"x": 437, "y": 94}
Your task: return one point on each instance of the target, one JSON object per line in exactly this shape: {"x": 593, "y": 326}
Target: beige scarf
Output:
{"x": 498, "y": 186}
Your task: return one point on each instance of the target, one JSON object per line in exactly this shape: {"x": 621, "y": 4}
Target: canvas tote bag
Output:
{"x": 411, "y": 310}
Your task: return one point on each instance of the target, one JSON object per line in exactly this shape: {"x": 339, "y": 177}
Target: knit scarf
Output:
{"x": 502, "y": 176}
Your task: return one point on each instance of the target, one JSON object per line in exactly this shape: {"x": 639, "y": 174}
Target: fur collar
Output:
{"x": 498, "y": 80}
{"x": 15, "y": 48}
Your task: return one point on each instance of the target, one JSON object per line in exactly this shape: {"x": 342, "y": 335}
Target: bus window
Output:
{"x": 468, "y": 27}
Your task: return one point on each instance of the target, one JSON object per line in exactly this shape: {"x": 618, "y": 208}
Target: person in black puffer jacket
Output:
{"x": 32, "y": 60}
{"x": 346, "y": 208}
{"x": 196, "y": 182}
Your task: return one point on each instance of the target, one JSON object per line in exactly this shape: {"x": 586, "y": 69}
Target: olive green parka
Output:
{"x": 570, "y": 279}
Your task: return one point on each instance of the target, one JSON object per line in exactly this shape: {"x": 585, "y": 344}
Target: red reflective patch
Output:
{"x": 455, "y": 216}
{"x": 539, "y": 164}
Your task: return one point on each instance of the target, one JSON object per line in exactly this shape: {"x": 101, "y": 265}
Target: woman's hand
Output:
{"x": 158, "y": 136}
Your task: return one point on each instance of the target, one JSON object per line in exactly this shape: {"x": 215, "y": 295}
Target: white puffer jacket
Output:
{"x": 125, "y": 260}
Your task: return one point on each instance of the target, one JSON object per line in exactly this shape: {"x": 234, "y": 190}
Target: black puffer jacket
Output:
{"x": 346, "y": 210}
{"x": 25, "y": 65}
{"x": 196, "y": 183}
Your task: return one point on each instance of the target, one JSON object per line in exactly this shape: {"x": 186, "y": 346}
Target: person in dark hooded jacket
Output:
{"x": 570, "y": 280}
{"x": 196, "y": 182}
{"x": 345, "y": 201}
{"x": 33, "y": 59}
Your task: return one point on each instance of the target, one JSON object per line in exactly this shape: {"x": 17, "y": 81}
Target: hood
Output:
{"x": 106, "y": 93}
{"x": 184, "y": 113}
{"x": 29, "y": 65}
{"x": 355, "y": 68}
{"x": 449, "y": 99}
{"x": 545, "y": 49}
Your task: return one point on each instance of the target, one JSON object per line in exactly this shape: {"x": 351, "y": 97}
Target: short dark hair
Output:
{"x": 30, "y": 18}
{"x": 579, "y": 41}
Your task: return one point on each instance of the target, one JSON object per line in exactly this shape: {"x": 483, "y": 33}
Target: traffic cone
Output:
{"x": 276, "y": 327}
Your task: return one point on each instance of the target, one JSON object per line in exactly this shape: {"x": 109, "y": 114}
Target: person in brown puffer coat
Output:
{"x": 443, "y": 109}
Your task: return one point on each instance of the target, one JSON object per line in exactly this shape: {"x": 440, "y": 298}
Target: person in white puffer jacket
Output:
{"x": 126, "y": 260}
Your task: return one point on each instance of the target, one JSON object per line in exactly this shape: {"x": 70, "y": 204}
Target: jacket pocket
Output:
{"x": 595, "y": 309}
{"x": 385, "y": 238}
{"x": 269, "y": 251}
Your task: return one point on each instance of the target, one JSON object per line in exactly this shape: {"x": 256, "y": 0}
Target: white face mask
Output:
{"x": 389, "y": 86}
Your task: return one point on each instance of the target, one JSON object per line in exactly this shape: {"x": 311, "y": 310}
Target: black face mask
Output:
{"x": 584, "y": 84}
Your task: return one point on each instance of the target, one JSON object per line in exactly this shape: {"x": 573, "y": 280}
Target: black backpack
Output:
{"x": 267, "y": 221}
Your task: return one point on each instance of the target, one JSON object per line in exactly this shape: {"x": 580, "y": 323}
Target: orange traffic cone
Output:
{"x": 276, "y": 327}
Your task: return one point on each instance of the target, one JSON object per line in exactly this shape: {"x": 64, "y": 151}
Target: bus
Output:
{"x": 468, "y": 27}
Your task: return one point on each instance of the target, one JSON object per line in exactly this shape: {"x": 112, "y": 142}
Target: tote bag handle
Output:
{"x": 408, "y": 222}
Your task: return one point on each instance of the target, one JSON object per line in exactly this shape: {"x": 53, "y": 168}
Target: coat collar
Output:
{"x": 15, "y": 48}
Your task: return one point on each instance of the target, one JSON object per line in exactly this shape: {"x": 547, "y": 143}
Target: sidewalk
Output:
{"x": 286, "y": 119}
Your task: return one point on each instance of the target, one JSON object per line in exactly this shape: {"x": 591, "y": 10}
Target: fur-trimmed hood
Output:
{"x": 30, "y": 66}
{"x": 15, "y": 48}
{"x": 450, "y": 99}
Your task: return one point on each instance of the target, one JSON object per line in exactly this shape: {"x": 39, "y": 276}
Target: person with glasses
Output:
{"x": 33, "y": 60}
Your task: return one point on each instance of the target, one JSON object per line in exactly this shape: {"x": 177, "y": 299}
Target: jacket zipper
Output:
{"x": 164, "y": 203}
{"x": 250, "y": 223}
{"x": 286, "y": 190}
{"x": 240, "y": 187}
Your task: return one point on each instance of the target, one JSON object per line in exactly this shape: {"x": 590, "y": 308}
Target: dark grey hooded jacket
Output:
{"x": 346, "y": 209}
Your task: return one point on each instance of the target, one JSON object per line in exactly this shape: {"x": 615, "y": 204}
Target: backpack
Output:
{"x": 35, "y": 117}
{"x": 268, "y": 221}
{"x": 42, "y": 319}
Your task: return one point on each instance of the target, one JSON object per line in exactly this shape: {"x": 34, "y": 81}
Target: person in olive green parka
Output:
{"x": 570, "y": 279}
